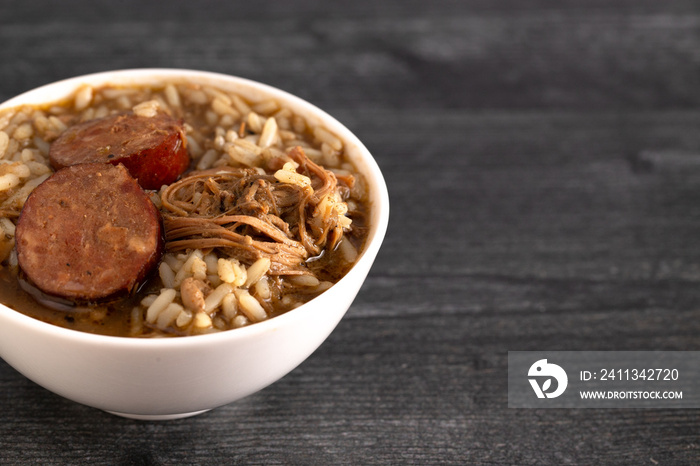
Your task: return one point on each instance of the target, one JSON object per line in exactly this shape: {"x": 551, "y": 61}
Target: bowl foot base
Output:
{"x": 157, "y": 417}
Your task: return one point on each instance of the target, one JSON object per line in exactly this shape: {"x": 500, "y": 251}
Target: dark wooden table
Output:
{"x": 543, "y": 162}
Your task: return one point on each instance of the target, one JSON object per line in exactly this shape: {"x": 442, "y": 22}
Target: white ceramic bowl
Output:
{"x": 178, "y": 377}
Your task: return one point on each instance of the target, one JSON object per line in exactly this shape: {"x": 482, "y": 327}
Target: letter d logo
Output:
{"x": 543, "y": 369}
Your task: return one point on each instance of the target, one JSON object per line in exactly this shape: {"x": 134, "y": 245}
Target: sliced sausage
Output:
{"x": 153, "y": 149}
{"x": 89, "y": 233}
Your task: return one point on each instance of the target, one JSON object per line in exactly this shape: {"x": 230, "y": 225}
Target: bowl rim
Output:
{"x": 379, "y": 201}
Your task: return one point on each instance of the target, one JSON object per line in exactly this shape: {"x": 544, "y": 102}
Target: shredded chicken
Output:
{"x": 249, "y": 214}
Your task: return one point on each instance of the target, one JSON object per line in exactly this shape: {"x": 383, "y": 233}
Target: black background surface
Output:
{"x": 543, "y": 163}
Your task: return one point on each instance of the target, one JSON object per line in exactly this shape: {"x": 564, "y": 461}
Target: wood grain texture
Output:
{"x": 543, "y": 162}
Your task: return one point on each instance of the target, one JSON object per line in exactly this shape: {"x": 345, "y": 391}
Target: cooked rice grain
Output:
{"x": 83, "y": 98}
{"x": 23, "y": 131}
{"x": 214, "y": 299}
{"x": 269, "y": 133}
{"x": 172, "y": 96}
{"x": 257, "y": 270}
{"x": 4, "y": 143}
{"x": 250, "y": 306}
{"x": 8, "y": 181}
{"x": 147, "y": 109}
{"x": 159, "y": 304}
{"x": 168, "y": 315}
{"x": 202, "y": 320}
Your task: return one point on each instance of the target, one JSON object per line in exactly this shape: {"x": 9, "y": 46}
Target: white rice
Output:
{"x": 250, "y": 306}
{"x": 8, "y": 181}
{"x": 83, "y": 98}
{"x": 4, "y": 143}
{"x": 147, "y": 109}
{"x": 160, "y": 304}
{"x": 257, "y": 270}
{"x": 23, "y": 131}
{"x": 213, "y": 301}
